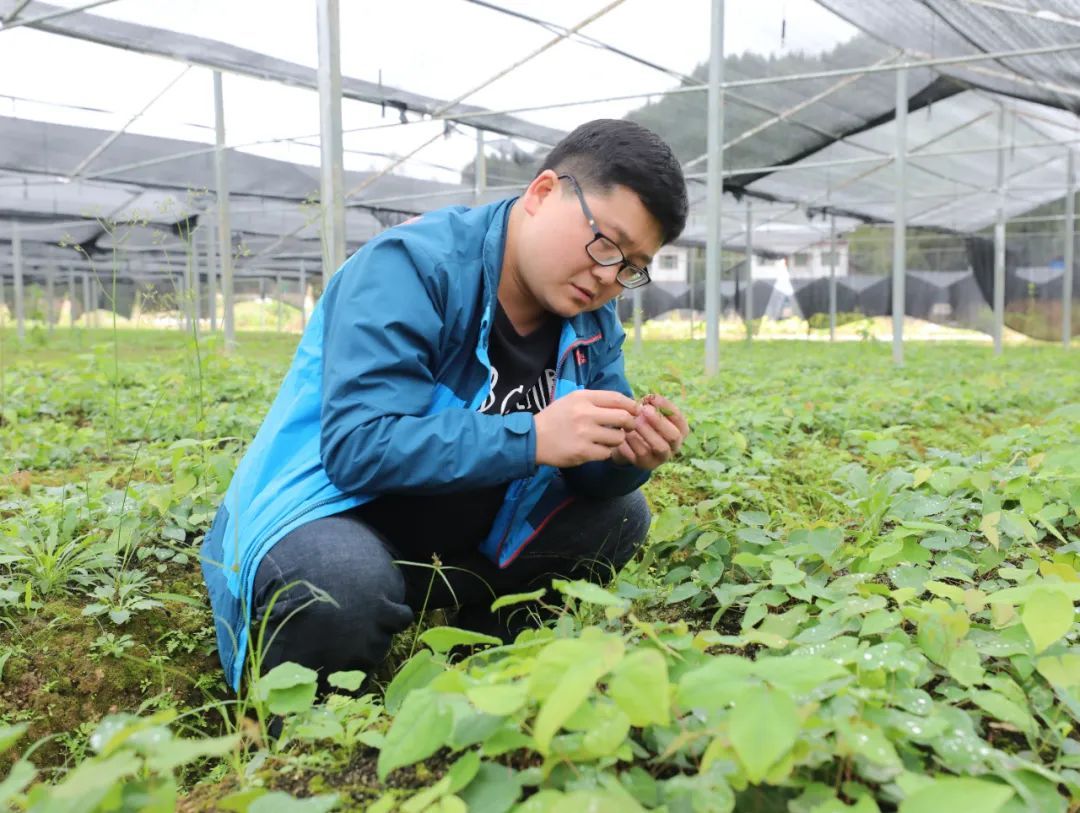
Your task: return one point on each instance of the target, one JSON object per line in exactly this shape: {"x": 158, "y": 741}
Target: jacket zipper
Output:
{"x": 551, "y": 397}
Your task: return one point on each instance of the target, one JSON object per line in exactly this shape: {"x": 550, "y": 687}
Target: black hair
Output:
{"x": 604, "y": 153}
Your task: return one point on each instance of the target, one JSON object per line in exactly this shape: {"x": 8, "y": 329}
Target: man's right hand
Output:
{"x": 583, "y": 426}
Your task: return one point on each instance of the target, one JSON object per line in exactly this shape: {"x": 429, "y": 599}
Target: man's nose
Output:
{"x": 606, "y": 274}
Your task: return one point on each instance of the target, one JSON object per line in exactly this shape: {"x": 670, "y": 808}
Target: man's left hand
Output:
{"x": 655, "y": 438}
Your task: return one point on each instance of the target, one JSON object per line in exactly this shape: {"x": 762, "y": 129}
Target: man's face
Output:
{"x": 552, "y": 260}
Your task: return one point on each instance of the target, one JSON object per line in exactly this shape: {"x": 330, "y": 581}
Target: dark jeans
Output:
{"x": 376, "y": 594}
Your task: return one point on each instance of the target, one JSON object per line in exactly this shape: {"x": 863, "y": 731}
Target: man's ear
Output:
{"x": 543, "y": 185}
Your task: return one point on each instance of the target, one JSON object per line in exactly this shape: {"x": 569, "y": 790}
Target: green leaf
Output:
{"x": 9, "y": 735}
{"x": 501, "y": 700}
{"x": 764, "y": 725}
{"x": 682, "y": 592}
{"x": 280, "y": 802}
{"x": 1004, "y": 709}
{"x": 590, "y": 593}
{"x": 288, "y": 688}
{"x": 1019, "y": 595}
{"x": 441, "y": 639}
{"x": 798, "y": 675}
{"x": 463, "y": 771}
{"x": 639, "y": 686}
{"x": 517, "y": 598}
{"x": 22, "y": 773}
{"x": 784, "y": 572}
{"x": 570, "y": 692}
{"x": 1047, "y": 616}
{"x": 349, "y": 681}
{"x": 173, "y": 753}
{"x": 716, "y": 684}
{"x": 964, "y": 665}
{"x": 1060, "y": 670}
{"x": 494, "y": 790}
{"x": 890, "y": 547}
{"x": 957, "y": 793}
{"x": 93, "y": 778}
{"x": 421, "y": 727}
{"x": 417, "y": 672}
{"x": 607, "y": 733}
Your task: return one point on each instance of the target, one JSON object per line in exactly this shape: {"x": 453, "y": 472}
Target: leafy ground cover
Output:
{"x": 858, "y": 594}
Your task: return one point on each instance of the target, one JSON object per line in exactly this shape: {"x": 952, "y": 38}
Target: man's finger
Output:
{"x": 663, "y": 425}
{"x": 609, "y": 399}
{"x": 674, "y": 414}
{"x": 657, "y": 444}
{"x": 614, "y": 417}
{"x": 640, "y": 447}
{"x": 606, "y": 436}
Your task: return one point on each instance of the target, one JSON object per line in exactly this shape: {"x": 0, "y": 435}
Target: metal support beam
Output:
{"x": 715, "y": 125}
{"x": 211, "y": 271}
{"x": 1070, "y": 243}
{"x": 748, "y": 295}
{"x": 280, "y": 304}
{"x": 51, "y": 15}
{"x": 71, "y": 299}
{"x": 479, "y": 168}
{"x": 333, "y": 160}
{"x": 900, "y": 219}
{"x": 50, "y": 296}
{"x": 832, "y": 278}
{"x": 86, "y": 300}
{"x": 197, "y": 239}
{"x": 17, "y": 293}
{"x": 999, "y": 242}
{"x": 224, "y": 229}
{"x": 183, "y": 319}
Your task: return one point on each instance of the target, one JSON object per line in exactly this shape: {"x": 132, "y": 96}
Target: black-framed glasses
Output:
{"x": 605, "y": 251}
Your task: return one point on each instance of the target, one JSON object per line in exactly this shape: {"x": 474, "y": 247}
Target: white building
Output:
{"x": 814, "y": 261}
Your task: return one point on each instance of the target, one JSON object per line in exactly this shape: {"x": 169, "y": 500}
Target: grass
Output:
{"x": 825, "y": 553}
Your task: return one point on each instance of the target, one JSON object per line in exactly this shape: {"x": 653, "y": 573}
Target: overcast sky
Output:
{"x": 441, "y": 48}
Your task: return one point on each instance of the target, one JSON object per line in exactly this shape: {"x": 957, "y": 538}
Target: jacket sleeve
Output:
{"x": 603, "y": 479}
{"x": 383, "y": 329}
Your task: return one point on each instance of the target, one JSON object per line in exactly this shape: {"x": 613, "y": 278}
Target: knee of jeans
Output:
{"x": 330, "y": 600}
{"x": 628, "y": 533}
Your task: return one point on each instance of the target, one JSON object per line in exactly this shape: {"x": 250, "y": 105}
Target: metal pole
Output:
{"x": 748, "y": 295}
{"x": 197, "y": 238}
{"x": 50, "y": 294}
{"x": 479, "y": 168}
{"x": 832, "y": 278}
{"x": 71, "y": 299}
{"x": 715, "y": 190}
{"x": 1070, "y": 241}
{"x": 900, "y": 219}
{"x": 636, "y": 294}
{"x": 17, "y": 293}
{"x": 333, "y": 161}
{"x": 185, "y": 292}
{"x": 690, "y": 253}
{"x": 999, "y": 242}
{"x": 277, "y": 296}
{"x": 304, "y": 296}
{"x": 86, "y": 300}
{"x": 211, "y": 272}
{"x": 224, "y": 229}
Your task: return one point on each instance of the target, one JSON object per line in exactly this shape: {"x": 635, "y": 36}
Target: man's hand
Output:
{"x": 658, "y": 432}
{"x": 583, "y": 426}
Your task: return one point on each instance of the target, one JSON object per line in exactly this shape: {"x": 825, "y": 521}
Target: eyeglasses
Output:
{"x": 605, "y": 251}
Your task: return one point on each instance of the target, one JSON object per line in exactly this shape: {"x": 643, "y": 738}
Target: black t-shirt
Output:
{"x": 522, "y": 380}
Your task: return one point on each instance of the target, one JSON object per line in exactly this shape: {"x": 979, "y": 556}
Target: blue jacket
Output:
{"x": 381, "y": 397}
